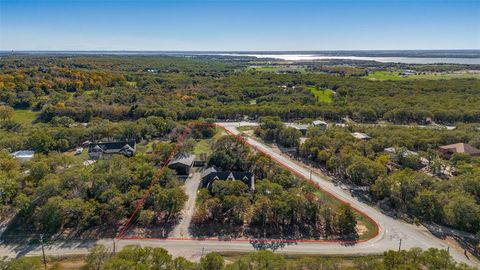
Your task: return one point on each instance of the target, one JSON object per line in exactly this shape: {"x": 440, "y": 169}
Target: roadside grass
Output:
{"x": 370, "y": 226}
{"x": 344, "y": 260}
{"x": 322, "y": 95}
{"x": 24, "y": 117}
{"x": 395, "y": 76}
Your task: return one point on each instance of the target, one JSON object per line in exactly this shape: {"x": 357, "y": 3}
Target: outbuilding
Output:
{"x": 182, "y": 164}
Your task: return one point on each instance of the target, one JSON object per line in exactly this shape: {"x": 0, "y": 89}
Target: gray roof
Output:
{"x": 183, "y": 160}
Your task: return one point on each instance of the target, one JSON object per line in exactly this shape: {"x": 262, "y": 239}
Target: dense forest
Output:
{"x": 130, "y": 88}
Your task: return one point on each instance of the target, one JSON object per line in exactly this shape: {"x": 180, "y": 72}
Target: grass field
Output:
{"x": 203, "y": 146}
{"x": 25, "y": 117}
{"x": 322, "y": 95}
{"x": 395, "y": 76}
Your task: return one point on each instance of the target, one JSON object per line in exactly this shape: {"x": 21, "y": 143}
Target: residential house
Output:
{"x": 449, "y": 150}
{"x": 105, "y": 150}
{"x": 212, "y": 174}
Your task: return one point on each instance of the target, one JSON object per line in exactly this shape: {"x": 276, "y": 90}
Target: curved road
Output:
{"x": 391, "y": 230}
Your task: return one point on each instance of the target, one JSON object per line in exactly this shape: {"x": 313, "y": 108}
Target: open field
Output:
{"x": 24, "y": 116}
{"x": 322, "y": 95}
{"x": 203, "y": 146}
{"x": 396, "y": 76}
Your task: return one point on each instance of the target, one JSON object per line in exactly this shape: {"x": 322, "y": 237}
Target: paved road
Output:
{"x": 391, "y": 230}
{"x": 191, "y": 187}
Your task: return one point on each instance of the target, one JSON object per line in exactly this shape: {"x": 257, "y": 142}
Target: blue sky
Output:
{"x": 239, "y": 25}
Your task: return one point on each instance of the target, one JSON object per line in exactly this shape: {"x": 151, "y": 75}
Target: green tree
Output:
{"x": 211, "y": 261}
{"x": 364, "y": 171}
{"x": 6, "y": 112}
{"x": 346, "y": 220}
{"x": 97, "y": 255}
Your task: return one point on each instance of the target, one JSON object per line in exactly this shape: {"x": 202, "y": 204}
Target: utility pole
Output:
{"x": 113, "y": 240}
{"x": 400, "y": 245}
{"x": 43, "y": 251}
{"x": 310, "y": 175}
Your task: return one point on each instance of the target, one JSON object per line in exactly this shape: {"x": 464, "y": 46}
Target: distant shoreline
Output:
{"x": 465, "y": 57}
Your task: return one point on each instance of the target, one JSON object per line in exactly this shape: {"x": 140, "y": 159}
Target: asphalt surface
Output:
{"x": 391, "y": 230}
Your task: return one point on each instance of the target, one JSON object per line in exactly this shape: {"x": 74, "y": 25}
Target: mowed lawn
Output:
{"x": 322, "y": 95}
{"x": 25, "y": 117}
{"x": 395, "y": 76}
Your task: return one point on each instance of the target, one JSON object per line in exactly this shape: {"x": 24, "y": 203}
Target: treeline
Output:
{"x": 63, "y": 134}
{"x": 135, "y": 257}
{"x": 285, "y": 205}
{"x": 273, "y": 130}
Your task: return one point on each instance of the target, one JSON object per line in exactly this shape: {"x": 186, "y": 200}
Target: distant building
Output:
{"x": 361, "y": 136}
{"x": 301, "y": 127}
{"x": 23, "y": 155}
{"x": 408, "y": 72}
{"x": 405, "y": 152}
{"x": 182, "y": 164}
{"x": 449, "y": 150}
{"x": 212, "y": 174}
{"x": 319, "y": 123}
{"x": 98, "y": 151}
{"x": 152, "y": 70}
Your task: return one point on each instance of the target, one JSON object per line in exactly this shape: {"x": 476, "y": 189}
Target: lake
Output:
{"x": 406, "y": 60}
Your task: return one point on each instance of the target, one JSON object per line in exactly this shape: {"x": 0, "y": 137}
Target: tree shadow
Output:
{"x": 273, "y": 245}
